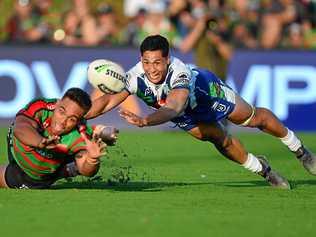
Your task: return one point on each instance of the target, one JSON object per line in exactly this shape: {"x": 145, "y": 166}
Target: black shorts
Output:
{"x": 15, "y": 177}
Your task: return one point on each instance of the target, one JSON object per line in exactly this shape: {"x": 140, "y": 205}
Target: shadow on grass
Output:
{"x": 303, "y": 182}
{"x": 130, "y": 186}
{"x": 243, "y": 184}
{"x": 159, "y": 186}
{"x": 294, "y": 183}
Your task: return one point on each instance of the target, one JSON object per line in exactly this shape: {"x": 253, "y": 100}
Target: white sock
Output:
{"x": 252, "y": 163}
{"x": 291, "y": 141}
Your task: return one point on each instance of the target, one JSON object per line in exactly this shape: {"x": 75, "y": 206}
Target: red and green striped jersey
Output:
{"x": 40, "y": 163}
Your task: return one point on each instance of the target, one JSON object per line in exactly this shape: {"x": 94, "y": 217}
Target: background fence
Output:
{"x": 283, "y": 81}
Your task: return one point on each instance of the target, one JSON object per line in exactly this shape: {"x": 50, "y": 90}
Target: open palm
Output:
{"x": 95, "y": 148}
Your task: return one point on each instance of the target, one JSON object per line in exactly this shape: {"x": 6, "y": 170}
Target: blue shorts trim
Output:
{"x": 219, "y": 111}
{"x": 211, "y": 100}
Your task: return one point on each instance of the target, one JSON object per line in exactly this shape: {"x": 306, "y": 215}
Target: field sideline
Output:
{"x": 177, "y": 187}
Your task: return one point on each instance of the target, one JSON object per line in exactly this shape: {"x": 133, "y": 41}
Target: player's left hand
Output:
{"x": 95, "y": 147}
{"x": 132, "y": 118}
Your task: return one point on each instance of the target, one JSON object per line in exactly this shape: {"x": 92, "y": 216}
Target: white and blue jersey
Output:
{"x": 209, "y": 100}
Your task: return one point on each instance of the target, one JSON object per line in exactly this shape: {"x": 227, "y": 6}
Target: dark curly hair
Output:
{"x": 79, "y": 96}
{"x": 155, "y": 42}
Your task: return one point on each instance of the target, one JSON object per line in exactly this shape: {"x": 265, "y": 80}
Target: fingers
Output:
{"x": 95, "y": 136}
{"x": 130, "y": 117}
{"x": 49, "y": 142}
{"x": 85, "y": 138}
{"x": 102, "y": 147}
{"x": 52, "y": 139}
{"x": 103, "y": 150}
{"x": 99, "y": 142}
{"x": 97, "y": 132}
{"x": 126, "y": 114}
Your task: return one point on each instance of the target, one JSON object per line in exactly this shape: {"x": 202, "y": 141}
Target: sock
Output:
{"x": 252, "y": 163}
{"x": 291, "y": 141}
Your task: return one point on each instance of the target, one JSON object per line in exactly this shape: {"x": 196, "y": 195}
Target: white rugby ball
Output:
{"x": 107, "y": 76}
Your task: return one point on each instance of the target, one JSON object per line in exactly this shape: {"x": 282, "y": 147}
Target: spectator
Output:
{"x": 295, "y": 37}
{"x": 207, "y": 38}
{"x": 157, "y": 22}
{"x": 132, "y": 7}
{"x": 108, "y": 31}
{"x": 211, "y": 28}
{"x": 79, "y": 26}
{"x": 309, "y": 24}
{"x": 22, "y": 26}
{"x": 309, "y": 34}
{"x": 275, "y": 15}
{"x": 179, "y": 14}
{"x": 242, "y": 37}
{"x": 46, "y": 20}
{"x": 132, "y": 33}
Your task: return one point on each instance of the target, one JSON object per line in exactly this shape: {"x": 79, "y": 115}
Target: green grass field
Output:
{"x": 178, "y": 187}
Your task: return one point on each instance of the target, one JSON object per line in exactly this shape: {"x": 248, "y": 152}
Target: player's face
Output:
{"x": 155, "y": 65}
{"x": 66, "y": 116}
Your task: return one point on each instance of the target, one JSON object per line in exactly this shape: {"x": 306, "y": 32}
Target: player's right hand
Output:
{"x": 95, "y": 148}
{"x": 132, "y": 118}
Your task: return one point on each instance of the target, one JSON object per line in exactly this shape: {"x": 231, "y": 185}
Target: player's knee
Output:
{"x": 224, "y": 143}
{"x": 200, "y": 136}
{"x": 260, "y": 118}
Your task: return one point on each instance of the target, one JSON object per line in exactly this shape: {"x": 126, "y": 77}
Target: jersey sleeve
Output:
{"x": 34, "y": 109}
{"x": 131, "y": 79}
{"x": 181, "y": 76}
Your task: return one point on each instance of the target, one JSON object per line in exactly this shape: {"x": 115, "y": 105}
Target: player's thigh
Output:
{"x": 213, "y": 132}
{"x": 241, "y": 112}
{"x": 3, "y": 183}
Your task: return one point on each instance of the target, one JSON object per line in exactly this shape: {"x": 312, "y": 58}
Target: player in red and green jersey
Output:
{"x": 50, "y": 140}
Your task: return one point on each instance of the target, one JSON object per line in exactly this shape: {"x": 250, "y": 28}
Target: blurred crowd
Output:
{"x": 211, "y": 28}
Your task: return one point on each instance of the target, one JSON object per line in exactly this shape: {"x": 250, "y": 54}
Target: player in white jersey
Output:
{"x": 196, "y": 100}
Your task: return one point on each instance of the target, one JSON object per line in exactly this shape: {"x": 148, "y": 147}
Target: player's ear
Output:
{"x": 168, "y": 59}
{"x": 57, "y": 102}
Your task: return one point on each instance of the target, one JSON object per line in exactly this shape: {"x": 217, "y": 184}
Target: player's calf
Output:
{"x": 3, "y": 183}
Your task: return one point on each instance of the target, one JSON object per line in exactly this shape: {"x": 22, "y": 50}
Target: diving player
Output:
{"x": 196, "y": 101}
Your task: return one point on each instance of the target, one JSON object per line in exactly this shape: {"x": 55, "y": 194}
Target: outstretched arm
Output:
{"x": 175, "y": 104}
{"x": 25, "y": 130}
{"x": 88, "y": 160}
{"x": 105, "y": 103}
